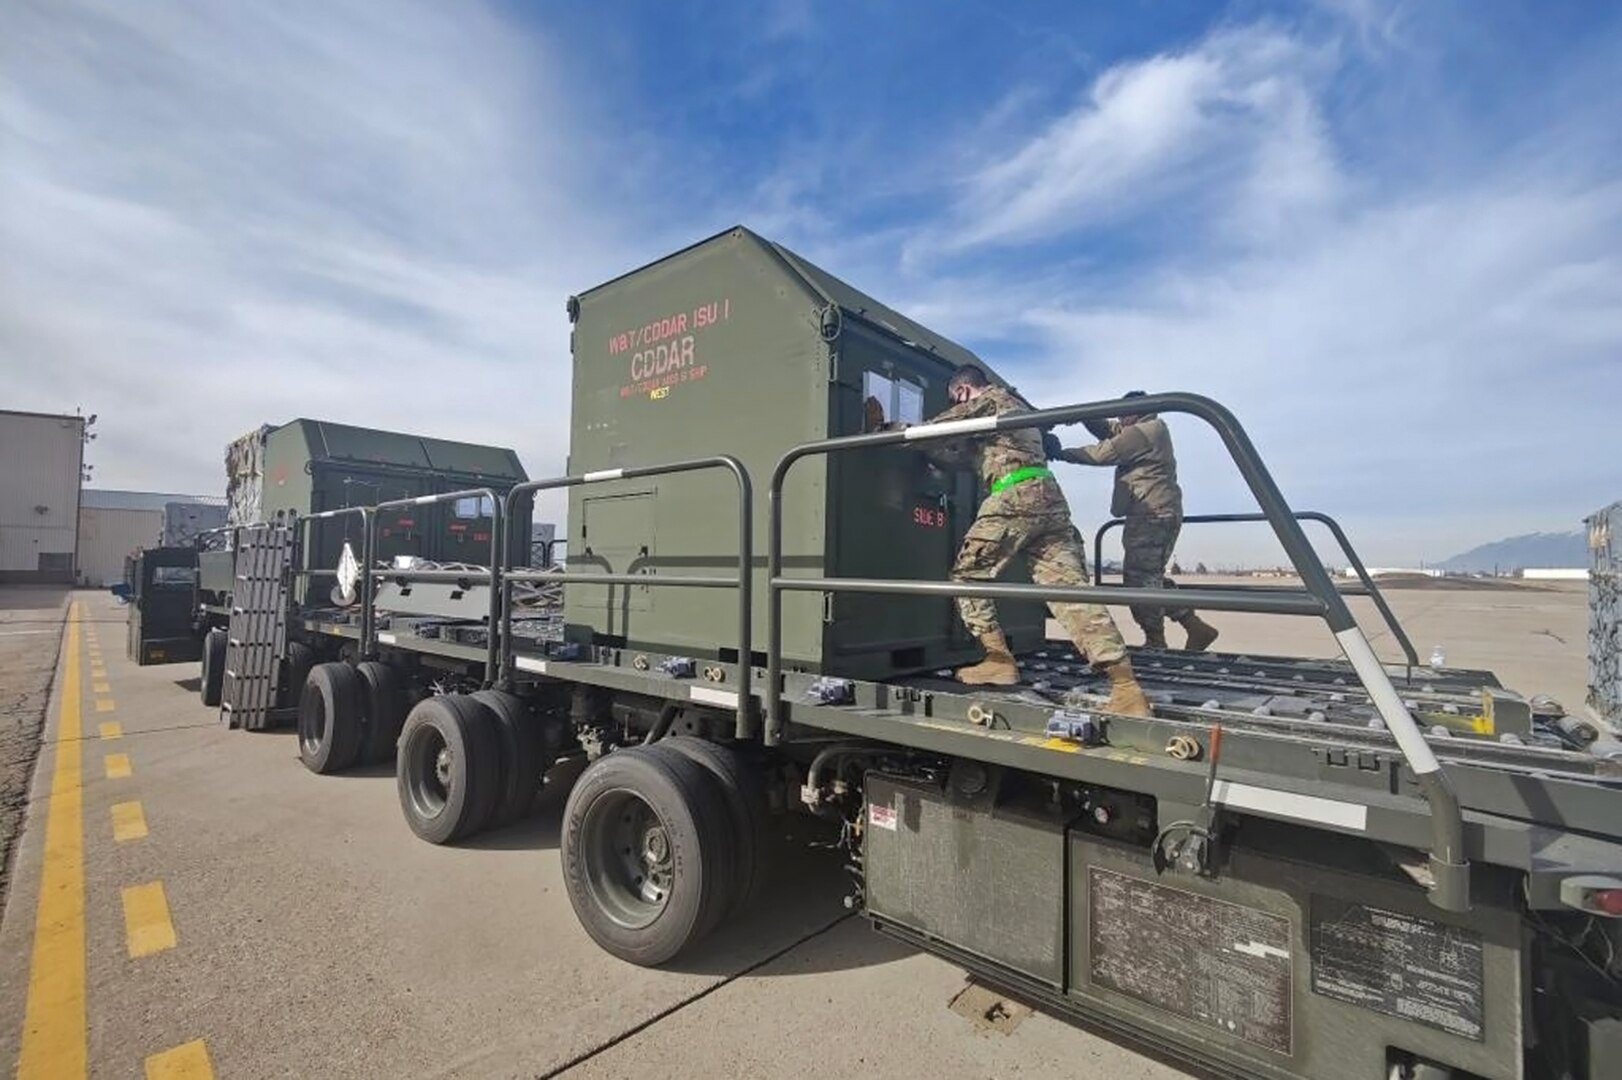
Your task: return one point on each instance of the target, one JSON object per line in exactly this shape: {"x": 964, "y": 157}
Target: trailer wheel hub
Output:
{"x": 655, "y": 848}
{"x": 442, "y": 765}
{"x": 631, "y": 868}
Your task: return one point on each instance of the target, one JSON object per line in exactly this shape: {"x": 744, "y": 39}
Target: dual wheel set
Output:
{"x": 463, "y": 762}
{"x": 661, "y": 842}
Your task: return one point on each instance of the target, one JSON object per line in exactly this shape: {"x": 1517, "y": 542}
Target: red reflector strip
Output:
{"x": 1608, "y": 901}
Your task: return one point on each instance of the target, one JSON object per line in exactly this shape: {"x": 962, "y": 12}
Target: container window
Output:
{"x": 909, "y": 407}
{"x": 877, "y": 404}
{"x": 474, "y": 507}
{"x": 173, "y": 578}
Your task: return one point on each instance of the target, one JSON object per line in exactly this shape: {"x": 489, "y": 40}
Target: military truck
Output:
{"x": 1357, "y": 868}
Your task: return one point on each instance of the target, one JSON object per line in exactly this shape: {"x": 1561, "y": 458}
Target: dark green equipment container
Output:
{"x": 738, "y": 346}
{"x": 307, "y": 466}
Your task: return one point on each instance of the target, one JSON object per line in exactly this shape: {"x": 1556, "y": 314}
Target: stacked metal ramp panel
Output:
{"x": 257, "y": 639}
{"x": 1605, "y": 613}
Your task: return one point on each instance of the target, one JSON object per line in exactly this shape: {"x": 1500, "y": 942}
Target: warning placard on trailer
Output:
{"x": 1399, "y": 965}
{"x": 1220, "y": 964}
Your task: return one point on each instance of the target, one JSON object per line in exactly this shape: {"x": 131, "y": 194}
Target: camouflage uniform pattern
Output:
{"x": 1028, "y": 520}
{"x": 1149, "y": 542}
{"x": 1147, "y": 495}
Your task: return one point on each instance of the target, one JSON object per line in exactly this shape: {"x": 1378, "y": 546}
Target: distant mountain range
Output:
{"x": 1568, "y": 549}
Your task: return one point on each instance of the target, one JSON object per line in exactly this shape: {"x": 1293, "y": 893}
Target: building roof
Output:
{"x": 42, "y": 415}
{"x": 107, "y": 499}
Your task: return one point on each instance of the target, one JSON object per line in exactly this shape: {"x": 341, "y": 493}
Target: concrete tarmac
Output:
{"x": 228, "y": 913}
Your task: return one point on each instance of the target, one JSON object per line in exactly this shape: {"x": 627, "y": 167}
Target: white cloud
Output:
{"x": 210, "y": 219}
{"x": 213, "y": 219}
{"x": 1230, "y": 123}
{"x": 1455, "y": 358}
{"x": 1435, "y": 359}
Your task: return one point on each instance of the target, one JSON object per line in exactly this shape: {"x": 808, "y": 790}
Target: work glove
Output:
{"x": 1101, "y": 429}
{"x": 1052, "y": 447}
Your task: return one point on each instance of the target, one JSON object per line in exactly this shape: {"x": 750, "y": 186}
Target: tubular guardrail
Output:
{"x": 492, "y": 576}
{"x": 743, "y": 582}
{"x": 1450, "y": 870}
{"x": 306, "y": 533}
{"x": 1369, "y": 589}
{"x": 198, "y": 537}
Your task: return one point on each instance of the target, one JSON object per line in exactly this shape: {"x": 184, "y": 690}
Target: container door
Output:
{"x": 616, "y": 535}
{"x": 893, "y": 514}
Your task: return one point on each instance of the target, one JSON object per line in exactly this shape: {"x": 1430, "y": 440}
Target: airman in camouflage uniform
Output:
{"x": 1024, "y": 515}
{"x": 1147, "y": 496}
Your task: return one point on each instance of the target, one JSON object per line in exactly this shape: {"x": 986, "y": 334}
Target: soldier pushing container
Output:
{"x": 1148, "y": 497}
{"x": 1024, "y": 515}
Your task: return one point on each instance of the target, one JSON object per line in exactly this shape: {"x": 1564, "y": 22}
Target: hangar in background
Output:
{"x": 115, "y": 524}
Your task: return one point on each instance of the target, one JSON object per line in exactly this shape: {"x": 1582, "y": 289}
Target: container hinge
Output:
{"x": 827, "y": 607}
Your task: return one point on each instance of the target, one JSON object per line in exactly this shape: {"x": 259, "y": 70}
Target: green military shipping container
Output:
{"x": 737, "y": 345}
{"x": 308, "y": 466}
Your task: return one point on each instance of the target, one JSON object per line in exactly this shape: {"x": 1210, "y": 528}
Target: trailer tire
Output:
{"x": 296, "y": 666}
{"x": 521, "y": 766}
{"x": 383, "y": 708}
{"x": 211, "y": 684}
{"x": 744, "y": 793}
{"x": 647, "y": 854}
{"x": 446, "y": 767}
{"x": 329, "y": 718}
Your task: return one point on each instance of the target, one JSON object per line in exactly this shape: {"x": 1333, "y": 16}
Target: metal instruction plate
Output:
{"x": 1399, "y": 965}
{"x": 1219, "y": 964}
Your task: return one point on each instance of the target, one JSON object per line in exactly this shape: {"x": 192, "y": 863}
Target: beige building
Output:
{"x": 115, "y": 524}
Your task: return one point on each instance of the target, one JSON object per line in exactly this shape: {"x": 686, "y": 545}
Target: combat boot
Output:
{"x": 1126, "y": 697}
{"x": 997, "y": 669}
{"x": 1200, "y": 634}
{"x": 1155, "y": 638}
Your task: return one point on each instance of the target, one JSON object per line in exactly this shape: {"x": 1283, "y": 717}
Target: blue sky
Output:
{"x": 1388, "y": 235}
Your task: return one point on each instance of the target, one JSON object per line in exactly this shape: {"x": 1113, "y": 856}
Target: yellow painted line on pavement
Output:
{"x": 188, "y": 1061}
{"x": 129, "y": 821}
{"x": 96, "y": 670}
{"x": 110, "y": 729}
{"x": 146, "y": 919}
{"x": 117, "y": 765}
{"x": 54, "y": 1041}
{"x": 105, "y": 704}
{"x": 101, "y": 687}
